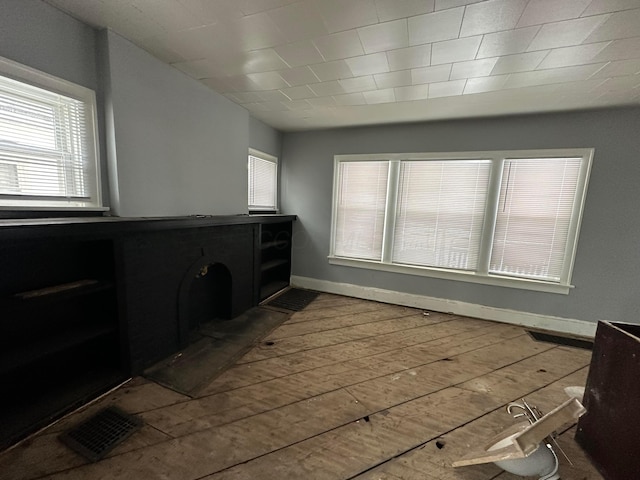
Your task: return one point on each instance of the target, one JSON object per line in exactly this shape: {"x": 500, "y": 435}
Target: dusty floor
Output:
{"x": 345, "y": 389}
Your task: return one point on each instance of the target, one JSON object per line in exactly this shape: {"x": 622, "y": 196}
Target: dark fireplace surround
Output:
{"x": 177, "y": 279}
{"x": 89, "y": 302}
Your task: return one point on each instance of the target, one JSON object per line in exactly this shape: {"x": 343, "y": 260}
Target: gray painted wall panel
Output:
{"x": 40, "y": 36}
{"x": 607, "y": 270}
{"x": 181, "y": 148}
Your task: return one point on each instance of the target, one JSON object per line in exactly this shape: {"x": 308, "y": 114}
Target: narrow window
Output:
{"x": 263, "y": 182}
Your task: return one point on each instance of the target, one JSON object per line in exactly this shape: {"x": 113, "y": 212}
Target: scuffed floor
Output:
{"x": 345, "y": 389}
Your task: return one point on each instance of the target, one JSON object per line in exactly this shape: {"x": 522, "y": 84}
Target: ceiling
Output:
{"x": 306, "y": 64}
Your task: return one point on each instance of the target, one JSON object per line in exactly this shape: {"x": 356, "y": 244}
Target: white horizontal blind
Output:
{"x": 360, "y": 209}
{"x": 263, "y": 186}
{"x": 46, "y": 147}
{"x": 535, "y": 209}
{"x": 440, "y": 213}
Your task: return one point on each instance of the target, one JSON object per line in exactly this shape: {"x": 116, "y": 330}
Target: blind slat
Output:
{"x": 262, "y": 184}
{"x": 45, "y": 146}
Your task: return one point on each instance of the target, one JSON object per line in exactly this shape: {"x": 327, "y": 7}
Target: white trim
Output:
{"x": 457, "y": 275}
{"x": 570, "y": 326}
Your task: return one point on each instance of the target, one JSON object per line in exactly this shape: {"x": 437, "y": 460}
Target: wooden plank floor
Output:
{"x": 345, "y": 389}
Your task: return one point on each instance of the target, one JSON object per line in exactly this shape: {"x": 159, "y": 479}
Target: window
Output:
{"x": 263, "y": 182}
{"x": 48, "y": 157}
{"x": 502, "y": 218}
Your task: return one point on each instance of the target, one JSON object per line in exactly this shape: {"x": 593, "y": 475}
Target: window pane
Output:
{"x": 534, "y": 217}
{"x": 362, "y": 196}
{"x": 47, "y": 154}
{"x": 262, "y": 184}
{"x": 440, "y": 213}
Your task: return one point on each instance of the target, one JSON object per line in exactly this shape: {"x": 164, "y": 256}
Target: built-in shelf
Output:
{"x": 275, "y": 258}
{"x": 273, "y": 264}
{"x": 21, "y": 356}
{"x": 79, "y": 287}
{"x": 275, "y": 244}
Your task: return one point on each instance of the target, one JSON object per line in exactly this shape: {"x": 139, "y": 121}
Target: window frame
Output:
{"x": 268, "y": 158}
{"x": 481, "y": 275}
{"x": 94, "y": 201}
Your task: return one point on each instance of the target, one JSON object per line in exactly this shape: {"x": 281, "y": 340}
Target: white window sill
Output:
{"x": 509, "y": 282}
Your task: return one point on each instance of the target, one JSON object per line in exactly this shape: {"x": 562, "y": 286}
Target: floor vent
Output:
{"x": 293, "y": 299}
{"x": 95, "y": 437}
{"x": 560, "y": 340}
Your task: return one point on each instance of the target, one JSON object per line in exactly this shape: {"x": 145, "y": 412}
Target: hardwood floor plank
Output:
{"x": 195, "y": 415}
{"x": 350, "y": 389}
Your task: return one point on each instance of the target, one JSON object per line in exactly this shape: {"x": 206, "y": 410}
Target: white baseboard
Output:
{"x": 526, "y": 319}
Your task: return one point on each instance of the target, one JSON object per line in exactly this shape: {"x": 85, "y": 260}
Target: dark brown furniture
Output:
{"x": 610, "y": 430}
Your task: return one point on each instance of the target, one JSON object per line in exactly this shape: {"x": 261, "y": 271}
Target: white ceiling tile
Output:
{"x": 299, "y": 53}
{"x": 298, "y": 93}
{"x": 298, "y": 21}
{"x": 492, "y": 16}
{"x": 617, "y": 84}
{"x": 521, "y": 62}
{"x": 554, "y": 75}
{"x": 384, "y": 36}
{"x": 620, "y": 25}
{"x": 567, "y": 56}
{"x": 446, "y": 89}
{"x": 273, "y": 96}
{"x": 298, "y": 76}
{"x": 368, "y": 64}
{"x": 507, "y": 43}
{"x": 380, "y": 96}
{"x": 433, "y": 27}
{"x": 455, "y": 50}
{"x": 445, "y": 4}
{"x": 340, "y": 15}
{"x": 620, "y": 50}
{"x": 222, "y": 85}
{"x": 249, "y": 7}
{"x": 350, "y": 99}
{"x": 394, "y": 9}
{"x": 393, "y": 79}
{"x": 327, "y": 88}
{"x": 473, "y": 68}
{"x": 255, "y": 61}
{"x": 274, "y": 106}
{"x": 414, "y": 92}
{"x": 439, "y": 73}
{"x": 566, "y": 33}
{"x": 214, "y": 11}
{"x": 321, "y": 101}
{"x": 258, "y": 31}
{"x": 358, "y": 84}
{"x": 485, "y": 84}
{"x": 547, "y": 11}
{"x": 607, "y": 6}
{"x": 331, "y": 70}
{"x": 412, "y": 57}
{"x": 268, "y": 80}
{"x": 168, "y": 14}
{"x": 339, "y": 45}
{"x": 619, "y": 68}
{"x": 297, "y": 105}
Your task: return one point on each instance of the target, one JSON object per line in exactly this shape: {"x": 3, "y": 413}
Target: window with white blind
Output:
{"x": 502, "y": 218}
{"x": 48, "y": 156}
{"x": 263, "y": 182}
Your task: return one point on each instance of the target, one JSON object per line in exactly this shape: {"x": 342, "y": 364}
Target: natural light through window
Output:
{"x": 503, "y": 218}
{"x": 263, "y": 182}
{"x": 48, "y": 156}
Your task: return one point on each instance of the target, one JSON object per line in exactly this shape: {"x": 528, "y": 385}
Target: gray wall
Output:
{"x": 180, "y": 148}
{"x": 607, "y": 267}
{"x": 171, "y": 145}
